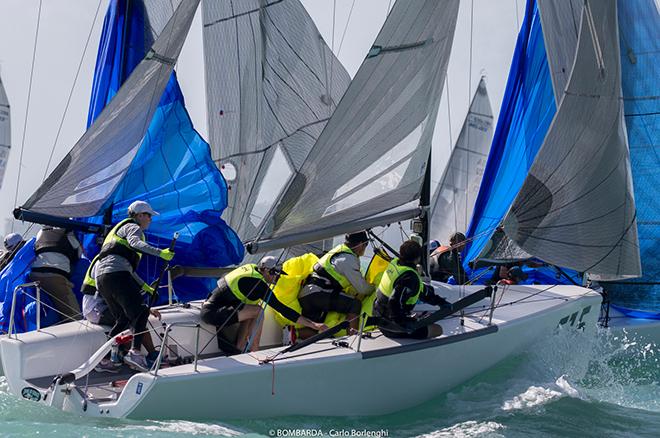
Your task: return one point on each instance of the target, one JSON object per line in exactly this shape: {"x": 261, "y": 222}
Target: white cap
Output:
{"x": 12, "y": 239}
{"x": 270, "y": 263}
{"x": 141, "y": 207}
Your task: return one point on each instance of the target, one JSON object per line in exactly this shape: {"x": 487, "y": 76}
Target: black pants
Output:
{"x": 123, "y": 295}
{"x": 316, "y": 306}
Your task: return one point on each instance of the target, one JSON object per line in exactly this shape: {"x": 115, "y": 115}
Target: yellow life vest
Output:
{"x": 392, "y": 273}
{"x": 245, "y": 271}
{"x": 89, "y": 283}
{"x": 113, "y": 244}
{"x": 324, "y": 262}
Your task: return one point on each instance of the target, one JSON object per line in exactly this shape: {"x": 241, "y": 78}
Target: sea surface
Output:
{"x": 569, "y": 385}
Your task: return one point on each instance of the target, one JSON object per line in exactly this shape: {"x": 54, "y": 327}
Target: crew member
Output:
{"x": 12, "y": 243}
{"x": 336, "y": 284}
{"x": 239, "y": 296}
{"x": 446, "y": 261}
{"x": 121, "y": 287}
{"x": 57, "y": 251}
{"x": 399, "y": 290}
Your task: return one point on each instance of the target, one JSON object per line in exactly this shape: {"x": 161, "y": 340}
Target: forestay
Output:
{"x": 454, "y": 198}
{"x": 5, "y": 131}
{"x": 576, "y": 208}
{"x": 272, "y": 83}
{"x": 90, "y": 172}
{"x": 372, "y": 155}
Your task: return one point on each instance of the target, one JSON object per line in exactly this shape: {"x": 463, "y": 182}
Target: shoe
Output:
{"x": 137, "y": 361}
{"x": 153, "y": 357}
{"x": 107, "y": 366}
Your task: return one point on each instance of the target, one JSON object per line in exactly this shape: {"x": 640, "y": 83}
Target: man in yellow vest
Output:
{"x": 121, "y": 287}
{"x": 399, "y": 290}
{"x": 239, "y": 296}
{"x": 337, "y": 282}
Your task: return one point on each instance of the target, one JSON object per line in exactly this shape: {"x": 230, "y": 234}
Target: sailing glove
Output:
{"x": 166, "y": 254}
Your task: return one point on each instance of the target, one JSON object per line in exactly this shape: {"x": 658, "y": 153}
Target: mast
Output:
{"x": 425, "y": 207}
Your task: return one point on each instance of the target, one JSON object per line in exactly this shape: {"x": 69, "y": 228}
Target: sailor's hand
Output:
{"x": 320, "y": 327}
{"x": 148, "y": 289}
{"x": 155, "y": 313}
{"x": 166, "y": 254}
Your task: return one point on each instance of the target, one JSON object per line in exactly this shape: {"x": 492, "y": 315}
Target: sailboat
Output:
{"x": 454, "y": 198}
{"x": 5, "y": 131}
{"x": 369, "y": 166}
{"x": 515, "y": 148}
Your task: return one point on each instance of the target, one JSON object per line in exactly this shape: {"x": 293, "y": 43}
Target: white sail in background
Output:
{"x": 372, "y": 155}
{"x": 271, "y": 83}
{"x": 454, "y": 198}
{"x": 5, "y": 131}
{"x": 576, "y": 208}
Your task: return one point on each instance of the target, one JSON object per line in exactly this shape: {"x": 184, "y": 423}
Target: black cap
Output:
{"x": 518, "y": 273}
{"x": 354, "y": 239}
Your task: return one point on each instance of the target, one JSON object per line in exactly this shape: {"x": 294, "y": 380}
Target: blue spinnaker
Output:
{"x": 639, "y": 36}
{"x": 172, "y": 170}
{"x": 527, "y": 109}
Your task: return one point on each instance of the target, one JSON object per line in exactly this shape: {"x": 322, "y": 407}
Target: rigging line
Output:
{"x": 518, "y": 18}
{"x": 27, "y": 109}
{"x": 343, "y": 35}
{"x": 73, "y": 86}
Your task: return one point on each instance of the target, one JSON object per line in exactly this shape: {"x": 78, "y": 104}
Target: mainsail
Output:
{"x": 272, "y": 84}
{"x": 454, "y": 198}
{"x": 576, "y": 208}
{"x": 5, "y": 131}
{"x": 373, "y": 153}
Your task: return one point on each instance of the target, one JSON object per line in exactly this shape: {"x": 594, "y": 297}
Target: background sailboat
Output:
{"x": 454, "y": 197}
{"x": 5, "y": 131}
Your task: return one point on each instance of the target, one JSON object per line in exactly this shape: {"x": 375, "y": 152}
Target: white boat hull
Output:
{"x": 384, "y": 376}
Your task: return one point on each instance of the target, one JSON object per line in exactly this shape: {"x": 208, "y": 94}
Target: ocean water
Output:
{"x": 570, "y": 385}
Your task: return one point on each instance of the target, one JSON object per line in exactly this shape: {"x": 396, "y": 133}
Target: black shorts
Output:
{"x": 223, "y": 316}
{"x": 315, "y": 306}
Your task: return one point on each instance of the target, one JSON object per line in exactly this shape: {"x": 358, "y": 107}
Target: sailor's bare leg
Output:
{"x": 247, "y": 317}
{"x": 435, "y": 330}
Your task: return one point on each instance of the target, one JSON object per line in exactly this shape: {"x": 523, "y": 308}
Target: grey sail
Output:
{"x": 271, "y": 83}
{"x": 372, "y": 154}
{"x": 560, "y": 21}
{"x": 454, "y": 198}
{"x": 5, "y": 131}
{"x": 91, "y": 170}
{"x": 576, "y": 208}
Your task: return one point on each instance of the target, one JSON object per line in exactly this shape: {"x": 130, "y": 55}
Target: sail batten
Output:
{"x": 114, "y": 139}
{"x": 373, "y": 152}
{"x": 576, "y": 208}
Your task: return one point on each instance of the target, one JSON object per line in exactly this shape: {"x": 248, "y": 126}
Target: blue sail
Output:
{"x": 172, "y": 170}
{"x": 527, "y": 110}
{"x": 639, "y": 36}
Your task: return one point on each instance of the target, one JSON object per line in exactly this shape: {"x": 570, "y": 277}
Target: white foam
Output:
{"x": 566, "y": 387}
{"x": 534, "y": 396}
{"x": 466, "y": 429}
{"x": 185, "y": 427}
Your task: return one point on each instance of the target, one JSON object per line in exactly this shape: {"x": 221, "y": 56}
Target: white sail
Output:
{"x": 372, "y": 155}
{"x": 576, "y": 208}
{"x": 5, "y": 131}
{"x": 271, "y": 83}
{"x": 454, "y": 198}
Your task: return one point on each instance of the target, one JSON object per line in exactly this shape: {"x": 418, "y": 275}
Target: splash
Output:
{"x": 467, "y": 429}
{"x": 183, "y": 427}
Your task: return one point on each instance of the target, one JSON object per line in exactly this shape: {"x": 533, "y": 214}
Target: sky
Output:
{"x": 68, "y": 36}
